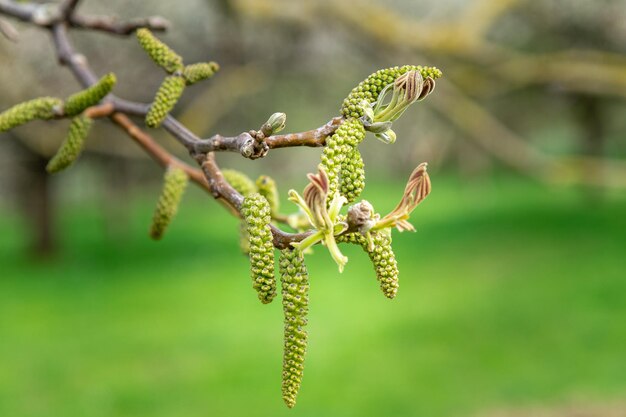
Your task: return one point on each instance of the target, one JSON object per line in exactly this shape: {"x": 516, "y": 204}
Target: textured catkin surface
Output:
{"x": 382, "y": 257}
{"x": 244, "y": 186}
{"x": 72, "y": 146}
{"x": 239, "y": 181}
{"x": 268, "y": 189}
{"x": 166, "y": 98}
{"x": 201, "y": 71}
{"x": 338, "y": 148}
{"x": 352, "y": 175}
{"x": 76, "y": 103}
{"x": 160, "y": 53}
{"x": 295, "y": 292}
{"x": 39, "y": 108}
{"x": 370, "y": 88}
{"x": 256, "y": 213}
{"x": 174, "y": 183}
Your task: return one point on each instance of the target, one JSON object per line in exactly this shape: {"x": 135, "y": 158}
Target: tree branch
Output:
{"x": 209, "y": 177}
{"x": 114, "y": 26}
{"x": 67, "y": 8}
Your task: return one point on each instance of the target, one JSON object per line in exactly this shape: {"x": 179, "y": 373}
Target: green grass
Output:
{"x": 511, "y": 295}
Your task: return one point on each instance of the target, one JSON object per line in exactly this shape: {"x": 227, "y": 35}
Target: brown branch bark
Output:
{"x": 313, "y": 138}
{"x": 114, "y": 26}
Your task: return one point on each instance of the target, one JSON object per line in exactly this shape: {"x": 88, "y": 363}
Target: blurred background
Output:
{"x": 513, "y": 290}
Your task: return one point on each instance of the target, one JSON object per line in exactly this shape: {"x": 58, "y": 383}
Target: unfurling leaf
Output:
{"x": 370, "y": 88}
{"x": 417, "y": 189}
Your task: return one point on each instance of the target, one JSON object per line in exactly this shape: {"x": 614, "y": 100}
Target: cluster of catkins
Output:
{"x": 372, "y": 106}
{"x": 179, "y": 76}
{"x": 47, "y": 108}
{"x": 260, "y": 205}
{"x": 343, "y": 170}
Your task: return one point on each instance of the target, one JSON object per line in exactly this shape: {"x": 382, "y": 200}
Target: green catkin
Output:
{"x": 370, "y": 88}
{"x": 174, "y": 183}
{"x": 338, "y": 146}
{"x": 160, "y": 53}
{"x": 198, "y": 72}
{"x": 268, "y": 189}
{"x": 72, "y": 146}
{"x": 352, "y": 176}
{"x": 295, "y": 292}
{"x": 256, "y": 212}
{"x": 244, "y": 186}
{"x": 77, "y": 103}
{"x": 39, "y": 108}
{"x": 382, "y": 257}
{"x": 239, "y": 181}
{"x": 244, "y": 239}
{"x": 165, "y": 99}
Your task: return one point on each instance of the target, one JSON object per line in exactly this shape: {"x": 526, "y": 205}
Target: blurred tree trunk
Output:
{"x": 36, "y": 198}
{"x": 588, "y": 115}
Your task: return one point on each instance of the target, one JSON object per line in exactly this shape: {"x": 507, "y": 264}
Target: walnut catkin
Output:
{"x": 338, "y": 147}
{"x": 77, "y": 103}
{"x": 239, "y": 181}
{"x": 198, "y": 72}
{"x": 382, "y": 257}
{"x": 160, "y": 53}
{"x": 174, "y": 183}
{"x": 352, "y": 175}
{"x": 165, "y": 99}
{"x": 72, "y": 146}
{"x": 244, "y": 186}
{"x": 256, "y": 213}
{"x": 39, "y": 108}
{"x": 295, "y": 292}
{"x": 268, "y": 189}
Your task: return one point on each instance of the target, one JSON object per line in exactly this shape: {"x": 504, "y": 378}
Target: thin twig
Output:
{"x": 114, "y": 26}
{"x": 67, "y": 8}
{"x": 210, "y": 177}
